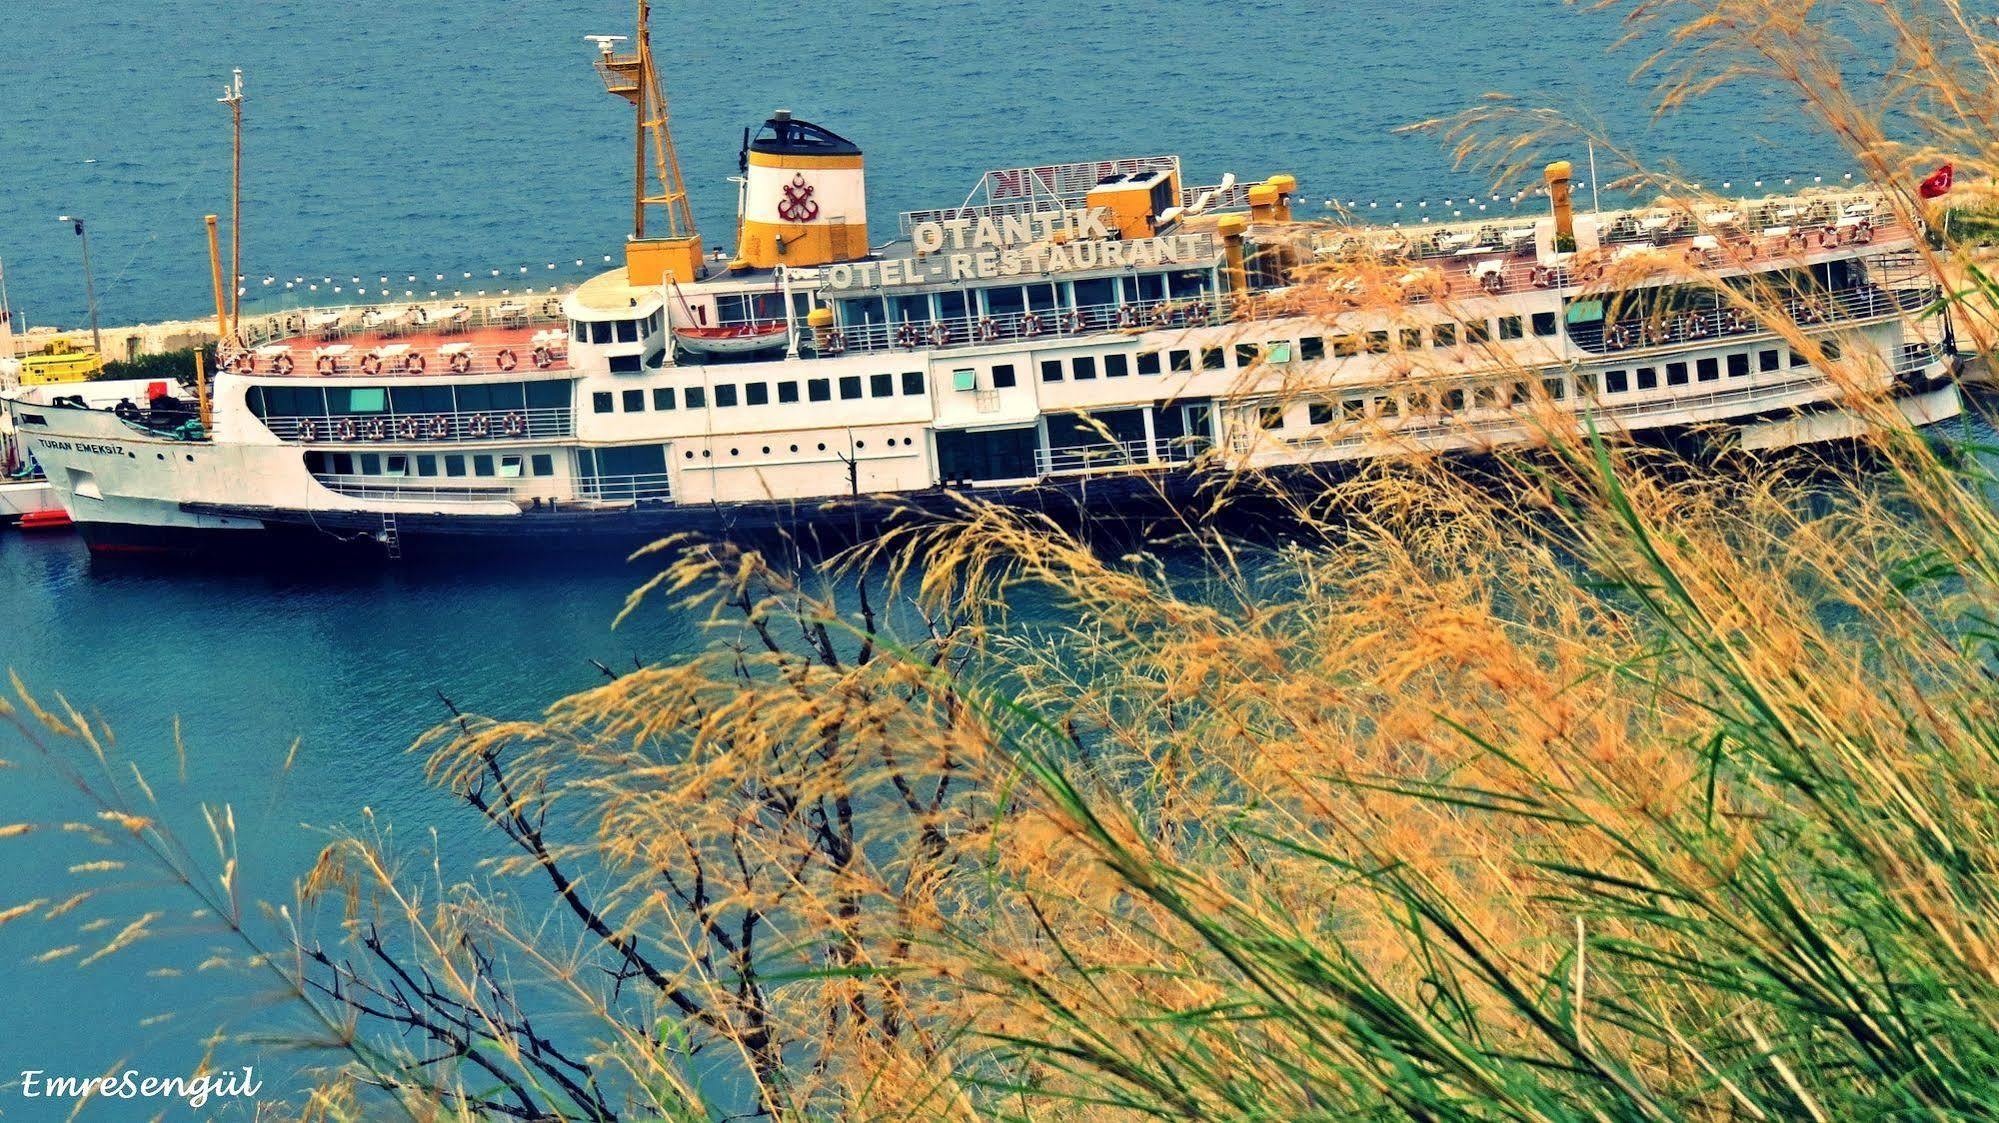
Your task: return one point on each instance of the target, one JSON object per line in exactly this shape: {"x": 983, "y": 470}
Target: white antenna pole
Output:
{"x": 6, "y": 317}
{"x": 1595, "y": 204}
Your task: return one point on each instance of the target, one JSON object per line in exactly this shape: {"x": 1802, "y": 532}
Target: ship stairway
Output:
{"x": 391, "y": 538}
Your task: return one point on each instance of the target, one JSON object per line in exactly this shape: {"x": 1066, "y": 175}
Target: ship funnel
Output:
{"x": 805, "y": 199}
{"x": 1558, "y": 175}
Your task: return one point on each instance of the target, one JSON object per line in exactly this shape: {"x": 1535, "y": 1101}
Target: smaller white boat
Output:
{"x": 732, "y": 339}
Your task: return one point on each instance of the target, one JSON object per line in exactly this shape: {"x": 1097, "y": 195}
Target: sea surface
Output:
{"x": 389, "y": 139}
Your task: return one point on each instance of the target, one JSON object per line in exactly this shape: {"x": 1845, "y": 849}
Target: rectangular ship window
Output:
{"x": 756, "y": 394}
{"x": 482, "y": 465}
{"x": 1648, "y": 378}
{"x": 1212, "y": 358}
{"x": 1319, "y": 413}
{"x": 1586, "y": 384}
{"x": 601, "y": 401}
{"x": 1708, "y": 369}
{"x": 1478, "y": 331}
{"x": 1555, "y": 388}
{"x": 1377, "y": 343}
{"x": 1084, "y": 368}
{"x": 819, "y": 389}
{"x": 1676, "y": 374}
{"x": 1443, "y": 335}
{"x": 1345, "y": 346}
{"x": 635, "y": 401}
{"x": 510, "y": 467}
{"x": 725, "y": 395}
{"x": 1003, "y": 376}
{"x": 454, "y": 465}
{"x": 1312, "y": 347}
{"x": 1148, "y": 362}
{"x": 1544, "y": 323}
{"x": 881, "y": 385}
{"x": 912, "y": 382}
{"x": 371, "y": 464}
{"x": 1051, "y": 370}
{"x": 426, "y": 465}
{"x": 696, "y": 397}
{"x": 1798, "y": 359}
{"x": 1510, "y": 327}
{"x": 1270, "y": 417}
{"x": 662, "y": 397}
{"x": 1738, "y": 365}
{"x": 1767, "y": 360}
{"x": 850, "y": 387}
{"x": 1412, "y": 339}
{"x": 1117, "y": 366}
{"x": 1616, "y": 382}
{"x": 1245, "y": 354}
{"x": 542, "y": 463}
{"x": 787, "y": 392}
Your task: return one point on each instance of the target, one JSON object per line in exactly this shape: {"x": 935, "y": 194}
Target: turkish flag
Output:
{"x": 1938, "y": 183}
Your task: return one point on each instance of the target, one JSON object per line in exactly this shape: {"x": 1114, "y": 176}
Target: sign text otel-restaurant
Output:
{"x": 989, "y": 247}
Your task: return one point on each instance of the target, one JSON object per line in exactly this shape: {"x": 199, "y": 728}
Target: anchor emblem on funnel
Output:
{"x": 797, "y": 204}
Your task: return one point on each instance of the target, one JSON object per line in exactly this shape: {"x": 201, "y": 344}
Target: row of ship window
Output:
{"x": 850, "y": 388}
{"x": 1456, "y": 399}
{"x": 450, "y": 465}
{"x": 615, "y": 331}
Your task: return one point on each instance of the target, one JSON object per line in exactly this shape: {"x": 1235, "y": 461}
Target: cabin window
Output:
{"x": 1830, "y": 348}
{"x": 850, "y": 387}
{"x": 1708, "y": 369}
{"x": 1648, "y": 378}
{"x": 1478, "y": 331}
{"x": 787, "y": 392}
{"x": 1319, "y": 413}
{"x": 628, "y": 331}
{"x": 635, "y": 401}
{"x": 1353, "y": 409}
{"x": 1117, "y": 366}
{"x": 1003, "y": 376}
{"x": 662, "y": 397}
{"x": 912, "y": 382}
{"x": 1510, "y": 327}
{"x": 696, "y": 397}
{"x": 1767, "y": 360}
{"x": 482, "y": 465}
{"x": 600, "y": 331}
{"x": 1616, "y": 382}
{"x": 757, "y": 394}
{"x": 626, "y": 364}
{"x": 1377, "y": 343}
{"x": 1312, "y": 347}
{"x": 579, "y": 332}
{"x": 1245, "y": 354}
{"x": 426, "y": 465}
{"x": 1212, "y": 358}
{"x": 819, "y": 389}
{"x": 1516, "y": 394}
{"x": 1148, "y": 362}
{"x": 725, "y": 396}
{"x": 1676, "y": 374}
{"x": 1554, "y": 388}
{"x": 1798, "y": 359}
{"x": 542, "y": 464}
{"x": 1586, "y": 384}
{"x": 1180, "y": 361}
{"x": 1484, "y": 397}
{"x": 1085, "y": 368}
{"x": 1345, "y": 346}
{"x": 601, "y": 401}
{"x": 1270, "y": 417}
{"x": 1738, "y": 365}
{"x": 1412, "y": 339}
{"x": 1051, "y": 370}
{"x": 1443, "y": 335}
{"x": 454, "y": 465}
{"x": 510, "y": 467}
{"x": 1452, "y": 400}
{"x": 881, "y": 385}
{"x": 1544, "y": 323}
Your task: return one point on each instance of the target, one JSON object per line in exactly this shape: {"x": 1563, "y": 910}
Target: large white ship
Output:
{"x": 1085, "y": 331}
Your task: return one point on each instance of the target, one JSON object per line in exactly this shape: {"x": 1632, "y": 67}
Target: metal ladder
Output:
{"x": 390, "y": 538}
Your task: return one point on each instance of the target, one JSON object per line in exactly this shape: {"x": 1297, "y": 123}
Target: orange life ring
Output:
{"x": 1127, "y": 316}
{"x": 1074, "y": 326}
{"x": 407, "y": 428}
{"x": 1864, "y": 232}
{"x": 506, "y": 359}
{"x": 906, "y": 334}
{"x": 1030, "y": 325}
{"x": 242, "y": 362}
{"x": 307, "y": 431}
{"x": 347, "y": 429}
{"x": 1492, "y": 282}
{"x": 326, "y": 364}
{"x": 1162, "y": 313}
{"x": 835, "y": 342}
{"x": 414, "y": 364}
{"x": 940, "y": 334}
{"x": 988, "y": 330}
{"x": 1541, "y": 276}
{"x": 440, "y": 427}
{"x": 282, "y": 364}
{"x": 461, "y": 362}
{"x": 480, "y": 425}
{"x": 516, "y": 425}
{"x": 541, "y": 359}
{"x": 377, "y": 431}
{"x": 371, "y": 364}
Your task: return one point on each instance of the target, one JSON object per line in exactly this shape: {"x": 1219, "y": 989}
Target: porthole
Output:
{"x": 690, "y": 455}
{"x": 822, "y": 446}
{"x": 794, "y": 448}
{"x": 766, "y": 450}
{"x": 860, "y": 444}
{"x": 735, "y": 452}
{"x": 705, "y": 454}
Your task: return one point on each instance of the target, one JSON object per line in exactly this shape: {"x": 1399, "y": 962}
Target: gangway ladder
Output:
{"x": 391, "y": 538}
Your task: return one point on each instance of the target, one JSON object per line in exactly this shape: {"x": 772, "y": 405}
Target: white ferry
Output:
{"x": 1078, "y": 333}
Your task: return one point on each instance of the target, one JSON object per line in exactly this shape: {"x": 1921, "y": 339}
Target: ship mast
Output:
{"x": 232, "y": 96}
{"x": 634, "y": 77}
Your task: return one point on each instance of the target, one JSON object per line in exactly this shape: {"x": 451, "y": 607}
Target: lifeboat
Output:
{"x": 52, "y": 519}
{"x": 732, "y": 339}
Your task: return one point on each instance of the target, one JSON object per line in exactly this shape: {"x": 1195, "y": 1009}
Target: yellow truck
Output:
{"x": 63, "y": 361}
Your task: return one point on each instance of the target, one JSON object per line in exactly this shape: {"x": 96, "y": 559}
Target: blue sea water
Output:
{"x": 394, "y": 139}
